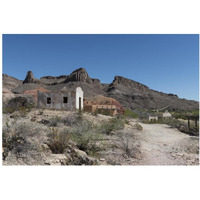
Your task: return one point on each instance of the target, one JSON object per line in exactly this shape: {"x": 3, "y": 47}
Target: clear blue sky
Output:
{"x": 167, "y": 63}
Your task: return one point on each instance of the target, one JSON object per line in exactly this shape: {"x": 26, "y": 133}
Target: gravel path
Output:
{"x": 162, "y": 145}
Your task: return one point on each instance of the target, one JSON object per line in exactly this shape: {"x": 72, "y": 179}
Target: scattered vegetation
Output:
{"x": 53, "y": 122}
{"x": 20, "y": 104}
{"x": 113, "y": 124}
{"x": 86, "y": 137}
{"x": 127, "y": 147}
{"x": 58, "y": 141}
{"x": 175, "y": 123}
{"x": 40, "y": 112}
{"x": 16, "y": 140}
{"x": 80, "y": 114}
{"x": 7, "y": 110}
{"x": 20, "y": 140}
{"x": 130, "y": 114}
{"x": 138, "y": 126}
{"x": 184, "y": 114}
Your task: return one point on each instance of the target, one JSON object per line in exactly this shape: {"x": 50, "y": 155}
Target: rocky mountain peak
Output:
{"x": 79, "y": 75}
{"x": 30, "y": 78}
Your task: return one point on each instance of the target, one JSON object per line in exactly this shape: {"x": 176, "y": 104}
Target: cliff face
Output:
{"x": 129, "y": 93}
{"x": 79, "y": 75}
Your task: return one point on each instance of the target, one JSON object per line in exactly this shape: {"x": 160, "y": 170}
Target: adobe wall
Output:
{"x": 102, "y": 109}
{"x": 88, "y": 109}
{"x": 57, "y": 100}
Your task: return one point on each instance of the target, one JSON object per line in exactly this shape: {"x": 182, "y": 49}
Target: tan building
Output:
{"x": 102, "y": 109}
{"x": 103, "y": 105}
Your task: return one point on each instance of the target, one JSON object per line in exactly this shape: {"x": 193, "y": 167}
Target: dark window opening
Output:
{"x": 65, "y": 99}
{"x": 48, "y": 100}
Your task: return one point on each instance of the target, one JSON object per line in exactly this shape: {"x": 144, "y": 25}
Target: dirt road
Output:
{"x": 162, "y": 145}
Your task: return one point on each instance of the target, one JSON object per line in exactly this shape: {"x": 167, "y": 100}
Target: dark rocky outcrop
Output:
{"x": 79, "y": 75}
{"x": 30, "y": 78}
{"x": 128, "y": 83}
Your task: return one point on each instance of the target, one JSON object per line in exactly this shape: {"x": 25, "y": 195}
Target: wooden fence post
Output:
{"x": 188, "y": 123}
{"x": 195, "y": 121}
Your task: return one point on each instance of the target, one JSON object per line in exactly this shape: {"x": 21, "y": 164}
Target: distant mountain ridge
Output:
{"x": 129, "y": 93}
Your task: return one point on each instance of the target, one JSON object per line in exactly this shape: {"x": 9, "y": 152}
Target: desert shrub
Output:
{"x": 72, "y": 120}
{"x": 69, "y": 121}
{"x": 138, "y": 126}
{"x": 80, "y": 114}
{"x": 19, "y": 103}
{"x": 16, "y": 143}
{"x": 112, "y": 125}
{"x": 53, "y": 122}
{"x": 40, "y": 112}
{"x": 58, "y": 141}
{"x": 95, "y": 113}
{"x": 181, "y": 126}
{"x": 86, "y": 137}
{"x": 7, "y": 110}
{"x": 126, "y": 122}
{"x": 15, "y": 139}
{"x": 130, "y": 113}
{"x": 184, "y": 114}
{"x": 16, "y": 112}
{"x": 175, "y": 123}
{"x": 128, "y": 147}
{"x": 23, "y": 111}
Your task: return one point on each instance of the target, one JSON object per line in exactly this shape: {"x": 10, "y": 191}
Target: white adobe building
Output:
{"x": 166, "y": 114}
{"x": 65, "y": 99}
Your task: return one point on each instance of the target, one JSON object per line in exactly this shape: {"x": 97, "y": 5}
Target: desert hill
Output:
{"x": 129, "y": 93}
{"x": 10, "y": 82}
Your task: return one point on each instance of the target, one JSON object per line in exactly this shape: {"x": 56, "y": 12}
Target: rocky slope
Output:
{"x": 133, "y": 95}
{"x": 10, "y": 82}
{"x": 130, "y": 94}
